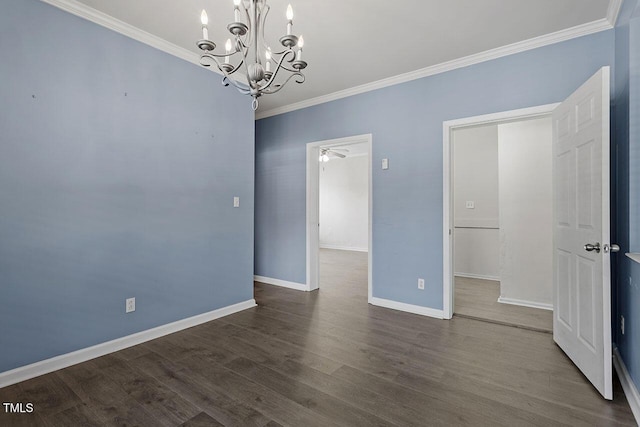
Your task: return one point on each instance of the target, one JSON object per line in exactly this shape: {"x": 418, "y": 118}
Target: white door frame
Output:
{"x": 447, "y": 199}
{"x": 313, "y": 206}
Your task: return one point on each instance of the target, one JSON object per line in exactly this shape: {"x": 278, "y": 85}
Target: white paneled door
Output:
{"x": 582, "y": 250}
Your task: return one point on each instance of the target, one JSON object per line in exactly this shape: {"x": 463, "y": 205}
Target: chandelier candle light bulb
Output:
{"x": 300, "y": 45}
{"x": 290, "y": 19}
{"x": 236, "y": 10}
{"x": 227, "y": 47}
{"x": 205, "y": 20}
{"x": 267, "y": 55}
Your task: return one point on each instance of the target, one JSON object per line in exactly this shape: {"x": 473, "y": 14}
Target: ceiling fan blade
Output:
{"x": 333, "y": 153}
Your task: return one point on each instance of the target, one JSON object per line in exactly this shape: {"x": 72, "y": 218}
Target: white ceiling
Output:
{"x": 353, "y": 42}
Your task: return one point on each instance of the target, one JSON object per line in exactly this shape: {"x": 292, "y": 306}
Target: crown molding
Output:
{"x": 80, "y": 9}
{"x": 536, "y": 42}
{"x": 90, "y": 14}
{"x": 613, "y": 11}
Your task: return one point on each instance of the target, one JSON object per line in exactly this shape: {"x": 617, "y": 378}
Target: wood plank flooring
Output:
{"x": 325, "y": 358}
{"x": 478, "y": 299}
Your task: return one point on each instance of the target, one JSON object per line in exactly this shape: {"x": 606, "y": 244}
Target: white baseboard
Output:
{"x": 282, "y": 283}
{"x": 65, "y": 360}
{"x": 409, "y": 308}
{"x": 525, "y": 303}
{"x": 630, "y": 389}
{"x": 477, "y": 276}
{"x": 343, "y": 248}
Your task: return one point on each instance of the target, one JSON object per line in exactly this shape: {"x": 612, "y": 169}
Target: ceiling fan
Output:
{"x": 327, "y": 153}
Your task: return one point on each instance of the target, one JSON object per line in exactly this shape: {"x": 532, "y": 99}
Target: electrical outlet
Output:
{"x": 420, "y": 283}
{"x": 236, "y": 202}
{"x": 470, "y": 204}
{"x": 622, "y": 324}
{"x": 130, "y": 305}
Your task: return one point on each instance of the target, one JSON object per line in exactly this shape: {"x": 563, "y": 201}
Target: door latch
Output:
{"x": 589, "y": 247}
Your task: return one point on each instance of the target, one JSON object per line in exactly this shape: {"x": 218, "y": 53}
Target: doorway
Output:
{"x": 336, "y": 235}
{"x": 495, "y": 266}
{"x": 581, "y": 251}
{"x": 502, "y": 230}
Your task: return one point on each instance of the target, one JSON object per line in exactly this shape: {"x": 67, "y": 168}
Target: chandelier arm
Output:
{"x": 265, "y": 9}
{"x": 242, "y": 43}
{"x": 243, "y": 90}
{"x": 226, "y": 79}
{"x": 244, "y": 48}
{"x": 246, "y": 13}
{"x": 227, "y": 75}
{"x": 251, "y": 25}
{"x": 208, "y": 56}
{"x": 215, "y": 60}
{"x": 291, "y": 70}
{"x": 293, "y": 57}
{"x": 255, "y": 32}
{"x": 212, "y": 56}
{"x": 233, "y": 70}
{"x": 279, "y": 66}
{"x": 241, "y": 48}
{"x": 279, "y": 87}
{"x": 246, "y": 72}
{"x": 280, "y": 53}
{"x": 219, "y": 55}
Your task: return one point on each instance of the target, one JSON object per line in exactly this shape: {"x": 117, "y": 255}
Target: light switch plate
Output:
{"x": 236, "y": 202}
{"x": 385, "y": 164}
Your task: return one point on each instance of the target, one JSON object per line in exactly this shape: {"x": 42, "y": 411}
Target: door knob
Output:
{"x": 592, "y": 247}
{"x": 613, "y": 248}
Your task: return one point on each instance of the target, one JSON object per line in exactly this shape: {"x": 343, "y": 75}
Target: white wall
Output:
{"x": 475, "y": 178}
{"x": 524, "y": 151}
{"x": 344, "y": 203}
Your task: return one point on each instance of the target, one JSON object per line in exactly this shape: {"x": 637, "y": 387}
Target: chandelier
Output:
{"x": 251, "y": 53}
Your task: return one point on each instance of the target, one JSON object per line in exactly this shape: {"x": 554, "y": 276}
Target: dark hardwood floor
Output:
{"x": 478, "y": 299}
{"x": 325, "y": 358}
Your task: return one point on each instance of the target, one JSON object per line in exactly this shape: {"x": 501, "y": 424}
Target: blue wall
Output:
{"x": 627, "y": 178}
{"x": 118, "y": 167}
{"x": 406, "y": 123}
